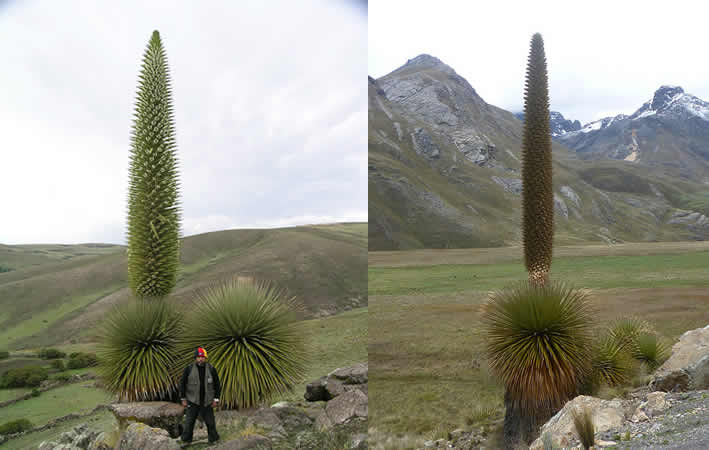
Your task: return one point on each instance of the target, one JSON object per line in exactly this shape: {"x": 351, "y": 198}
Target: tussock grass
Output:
{"x": 584, "y": 427}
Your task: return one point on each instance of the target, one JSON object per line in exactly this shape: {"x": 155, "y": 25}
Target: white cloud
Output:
{"x": 610, "y": 56}
{"x": 269, "y": 109}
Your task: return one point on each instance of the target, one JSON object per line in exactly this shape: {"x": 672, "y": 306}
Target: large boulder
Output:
{"x": 343, "y": 409}
{"x": 338, "y": 382}
{"x": 139, "y": 436}
{"x": 165, "y": 415}
{"x": 607, "y": 414}
{"x": 688, "y": 367}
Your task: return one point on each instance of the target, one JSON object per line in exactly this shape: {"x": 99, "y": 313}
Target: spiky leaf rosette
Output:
{"x": 625, "y": 331}
{"x": 611, "y": 363}
{"x": 153, "y": 211}
{"x": 137, "y": 350}
{"x": 252, "y": 337}
{"x": 538, "y": 340}
{"x": 650, "y": 350}
{"x": 537, "y": 190}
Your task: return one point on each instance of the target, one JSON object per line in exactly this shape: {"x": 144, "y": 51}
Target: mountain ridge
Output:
{"x": 444, "y": 171}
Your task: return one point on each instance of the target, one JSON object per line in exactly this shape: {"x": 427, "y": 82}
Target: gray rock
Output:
{"x": 699, "y": 374}
{"x": 511, "y": 185}
{"x": 356, "y": 374}
{"x": 607, "y": 414}
{"x": 315, "y": 390}
{"x": 348, "y": 406}
{"x": 560, "y": 207}
{"x": 268, "y": 420}
{"x": 359, "y": 441}
{"x": 571, "y": 195}
{"x": 139, "y": 436}
{"x": 165, "y": 415}
{"x": 676, "y": 380}
{"x": 688, "y": 360}
{"x": 424, "y": 144}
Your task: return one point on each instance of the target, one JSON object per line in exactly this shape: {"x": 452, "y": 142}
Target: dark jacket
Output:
{"x": 210, "y": 384}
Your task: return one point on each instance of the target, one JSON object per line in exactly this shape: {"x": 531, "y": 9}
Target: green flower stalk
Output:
{"x": 153, "y": 210}
{"x": 537, "y": 190}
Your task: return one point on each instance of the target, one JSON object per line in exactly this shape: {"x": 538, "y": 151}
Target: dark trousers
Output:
{"x": 192, "y": 411}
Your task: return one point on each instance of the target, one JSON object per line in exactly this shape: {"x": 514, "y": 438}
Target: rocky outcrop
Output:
{"x": 571, "y": 195}
{"x": 165, "y": 415}
{"x": 141, "y": 436}
{"x": 80, "y": 437}
{"x": 511, "y": 185}
{"x": 424, "y": 144}
{"x": 352, "y": 405}
{"x": 688, "y": 366}
{"x": 338, "y": 382}
{"x": 607, "y": 414}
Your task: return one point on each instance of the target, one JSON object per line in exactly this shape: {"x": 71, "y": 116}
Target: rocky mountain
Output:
{"x": 558, "y": 124}
{"x": 670, "y": 130}
{"x": 444, "y": 171}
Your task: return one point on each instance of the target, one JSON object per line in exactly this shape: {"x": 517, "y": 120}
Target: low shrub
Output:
{"x": 51, "y": 353}
{"x": 62, "y": 377}
{"x": 82, "y": 360}
{"x": 4, "y": 354}
{"x": 35, "y": 392}
{"x": 15, "y": 426}
{"x": 23, "y": 377}
{"x": 58, "y": 364}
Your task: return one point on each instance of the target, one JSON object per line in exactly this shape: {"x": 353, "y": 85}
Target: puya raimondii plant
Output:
{"x": 153, "y": 210}
{"x": 138, "y": 340}
{"x": 537, "y": 190}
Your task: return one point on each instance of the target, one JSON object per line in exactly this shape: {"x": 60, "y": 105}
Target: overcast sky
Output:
{"x": 270, "y": 111}
{"x": 604, "y": 57}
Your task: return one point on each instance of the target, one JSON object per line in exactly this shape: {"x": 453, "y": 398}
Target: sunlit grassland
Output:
{"x": 428, "y": 372}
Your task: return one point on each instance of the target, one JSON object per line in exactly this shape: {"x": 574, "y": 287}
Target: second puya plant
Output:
{"x": 538, "y": 331}
{"x": 251, "y": 331}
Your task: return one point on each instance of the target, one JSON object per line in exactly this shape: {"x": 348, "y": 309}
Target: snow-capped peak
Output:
{"x": 673, "y": 101}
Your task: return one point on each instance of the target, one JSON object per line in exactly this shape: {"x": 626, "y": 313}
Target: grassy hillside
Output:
{"x": 425, "y": 341}
{"x": 51, "y": 300}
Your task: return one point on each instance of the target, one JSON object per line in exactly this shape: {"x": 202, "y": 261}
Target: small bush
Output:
{"x": 583, "y": 423}
{"x": 58, "y": 364}
{"x": 23, "y": 377}
{"x": 649, "y": 350}
{"x": 74, "y": 355}
{"x": 4, "y": 354}
{"x": 15, "y": 426}
{"x": 50, "y": 353}
{"x": 62, "y": 377}
{"x": 35, "y": 392}
{"x": 81, "y": 360}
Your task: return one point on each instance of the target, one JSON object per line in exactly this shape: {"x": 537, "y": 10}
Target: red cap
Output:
{"x": 200, "y": 352}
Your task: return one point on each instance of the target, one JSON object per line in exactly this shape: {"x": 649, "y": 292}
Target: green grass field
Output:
{"x": 428, "y": 371}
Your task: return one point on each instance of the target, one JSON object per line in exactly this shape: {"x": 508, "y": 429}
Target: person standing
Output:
{"x": 199, "y": 391}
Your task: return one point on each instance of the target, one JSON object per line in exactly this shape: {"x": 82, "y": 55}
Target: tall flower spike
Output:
{"x": 537, "y": 190}
{"x": 153, "y": 210}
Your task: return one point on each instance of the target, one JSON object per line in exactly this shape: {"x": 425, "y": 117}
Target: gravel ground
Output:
{"x": 685, "y": 426}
